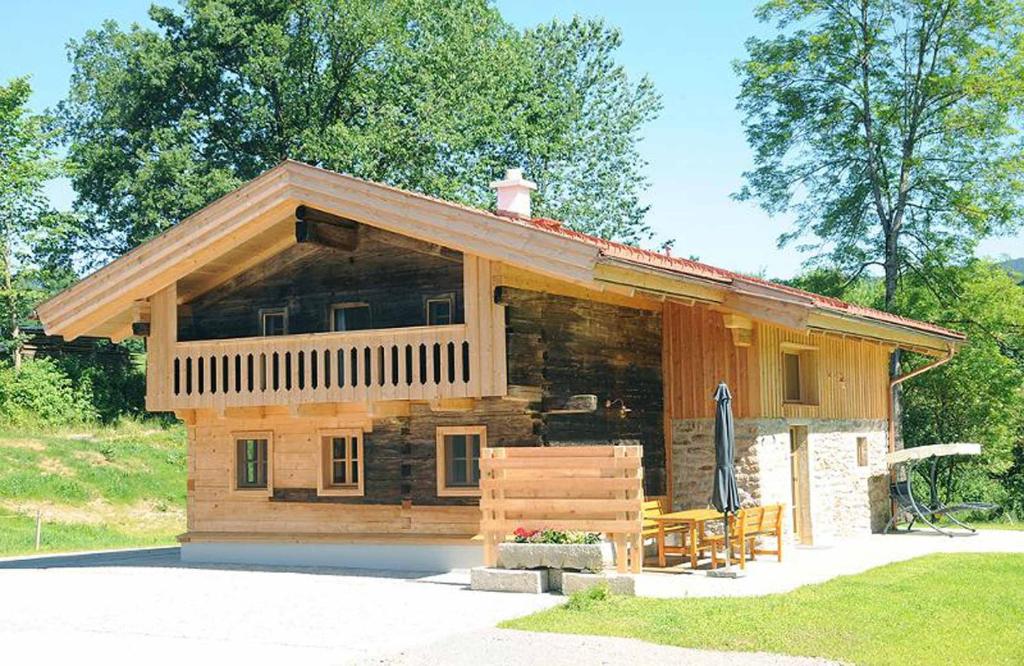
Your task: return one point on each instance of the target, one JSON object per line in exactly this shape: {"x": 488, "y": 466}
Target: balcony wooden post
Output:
{"x": 160, "y": 347}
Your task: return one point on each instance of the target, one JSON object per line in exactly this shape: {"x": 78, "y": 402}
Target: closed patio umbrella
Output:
{"x": 725, "y": 496}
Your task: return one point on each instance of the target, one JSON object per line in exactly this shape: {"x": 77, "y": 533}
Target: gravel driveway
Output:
{"x": 144, "y": 607}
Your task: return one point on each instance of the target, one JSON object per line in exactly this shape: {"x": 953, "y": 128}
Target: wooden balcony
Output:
{"x": 416, "y": 363}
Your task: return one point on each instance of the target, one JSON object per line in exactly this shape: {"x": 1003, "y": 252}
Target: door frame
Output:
{"x": 800, "y": 484}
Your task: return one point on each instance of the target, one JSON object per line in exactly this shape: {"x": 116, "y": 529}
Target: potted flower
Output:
{"x": 553, "y": 549}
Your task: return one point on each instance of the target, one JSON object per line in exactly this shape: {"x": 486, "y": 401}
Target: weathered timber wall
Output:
{"x": 852, "y": 374}
{"x": 394, "y": 278}
{"x": 560, "y": 346}
{"x": 399, "y": 465}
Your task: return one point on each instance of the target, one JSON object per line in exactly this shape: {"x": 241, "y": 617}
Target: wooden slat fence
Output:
{"x": 577, "y": 488}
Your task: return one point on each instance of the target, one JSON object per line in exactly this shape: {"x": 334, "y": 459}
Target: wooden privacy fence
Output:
{"x": 578, "y": 488}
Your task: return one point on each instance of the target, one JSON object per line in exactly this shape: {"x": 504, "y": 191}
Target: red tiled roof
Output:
{"x": 707, "y": 272}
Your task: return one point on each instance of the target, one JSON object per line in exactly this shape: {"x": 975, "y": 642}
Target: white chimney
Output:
{"x": 514, "y": 193}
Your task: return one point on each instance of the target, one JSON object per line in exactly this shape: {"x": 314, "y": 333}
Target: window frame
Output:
{"x": 325, "y": 485}
{"x": 448, "y": 298}
{"x": 264, "y": 312}
{"x": 347, "y": 305}
{"x": 236, "y": 437}
{"x": 863, "y": 452}
{"x": 809, "y": 377}
{"x": 443, "y": 489}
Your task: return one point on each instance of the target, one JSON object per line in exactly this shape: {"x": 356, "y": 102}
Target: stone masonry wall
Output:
{"x": 846, "y": 499}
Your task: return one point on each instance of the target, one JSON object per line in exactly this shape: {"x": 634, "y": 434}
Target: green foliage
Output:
{"x": 101, "y": 487}
{"x": 889, "y": 127}
{"x": 117, "y": 379}
{"x": 555, "y": 536}
{"x": 437, "y": 97}
{"x": 585, "y": 600}
{"x": 896, "y": 614}
{"x": 26, "y": 223}
{"x": 40, "y": 393}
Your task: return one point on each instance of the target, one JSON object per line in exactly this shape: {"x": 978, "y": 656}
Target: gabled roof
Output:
{"x": 257, "y": 220}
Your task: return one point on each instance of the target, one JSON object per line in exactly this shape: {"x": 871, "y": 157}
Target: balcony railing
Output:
{"x": 418, "y": 363}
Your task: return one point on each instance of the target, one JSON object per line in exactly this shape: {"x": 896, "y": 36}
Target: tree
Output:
{"x": 889, "y": 127}
{"x": 437, "y": 97}
{"x": 26, "y": 163}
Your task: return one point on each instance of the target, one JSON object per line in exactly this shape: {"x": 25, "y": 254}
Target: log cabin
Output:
{"x": 341, "y": 352}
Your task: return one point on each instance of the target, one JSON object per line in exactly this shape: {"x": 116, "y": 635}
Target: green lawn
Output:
{"x": 94, "y": 488}
{"x": 947, "y": 609}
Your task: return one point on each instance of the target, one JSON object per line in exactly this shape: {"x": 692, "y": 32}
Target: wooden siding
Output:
{"x": 560, "y": 346}
{"x": 399, "y": 469}
{"x": 852, "y": 374}
{"x": 699, "y": 353}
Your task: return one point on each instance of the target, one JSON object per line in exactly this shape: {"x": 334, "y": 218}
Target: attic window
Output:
{"x": 274, "y": 321}
{"x": 350, "y": 317}
{"x": 799, "y": 375}
{"x": 439, "y": 310}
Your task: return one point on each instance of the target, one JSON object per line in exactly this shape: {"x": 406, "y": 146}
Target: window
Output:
{"x": 862, "y": 451}
{"x": 341, "y": 462}
{"x": 458, "y": 459}
{"x": 350, "y": 317}
{"x": 274, "y": 321}
{"x": 791, "y": 378}
{"x": 440, "y": 310}
{"x": 252, "y": 462}
{"x": 799, "y": 374}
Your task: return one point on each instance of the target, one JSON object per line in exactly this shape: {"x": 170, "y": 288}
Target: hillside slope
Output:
{"x": 106, "y": 488}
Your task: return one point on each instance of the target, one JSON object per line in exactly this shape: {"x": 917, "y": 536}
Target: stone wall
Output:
{"x": 846, "y": 499}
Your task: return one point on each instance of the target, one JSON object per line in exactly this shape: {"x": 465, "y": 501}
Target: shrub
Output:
{"x": 41, "y": 393}
{"x": 586, "y": 599}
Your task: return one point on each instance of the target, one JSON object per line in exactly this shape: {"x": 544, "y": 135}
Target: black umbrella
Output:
{"x": 725, "y": 496}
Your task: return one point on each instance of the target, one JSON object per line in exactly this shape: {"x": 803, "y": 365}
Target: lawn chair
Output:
{"x": 649, "y": 530}
{"x": 908, "y": 506}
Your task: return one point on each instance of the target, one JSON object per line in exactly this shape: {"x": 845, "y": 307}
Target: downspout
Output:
{"x": 902, "y": 378}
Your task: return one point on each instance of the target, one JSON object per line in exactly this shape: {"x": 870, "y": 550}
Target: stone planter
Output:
{"x": 574, "y": 557}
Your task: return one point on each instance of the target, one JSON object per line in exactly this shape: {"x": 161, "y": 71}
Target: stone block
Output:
{"x": 555, "y": 580}
{"x": 573, "y": 582}
{"x": 575, "y": 557}
{"x": 486, "y": 579}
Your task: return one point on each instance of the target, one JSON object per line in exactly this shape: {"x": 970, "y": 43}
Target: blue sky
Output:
{"x": 696, "y": 149}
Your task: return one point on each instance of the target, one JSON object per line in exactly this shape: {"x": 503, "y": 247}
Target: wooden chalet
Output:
{"x": 344, "y": 353}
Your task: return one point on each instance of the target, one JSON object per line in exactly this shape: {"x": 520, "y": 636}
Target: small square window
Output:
{"x": 862, "y": 451}
{"x": 440, "y": 311}
{"x": 350, "y": 317}
{"x": 799, "y": 374}
{"x": 341, "y": 470}
{"x": 458, "y": 459}
{"x": 274, "y": 321}
{"x": 252, "y": 462}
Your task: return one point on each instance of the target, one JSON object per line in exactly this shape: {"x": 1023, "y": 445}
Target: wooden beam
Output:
{"x": 314, "y": 226}
{"x": 583, "y": 403}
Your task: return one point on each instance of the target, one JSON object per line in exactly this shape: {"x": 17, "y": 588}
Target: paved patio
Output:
{"x": 803, "y": 566}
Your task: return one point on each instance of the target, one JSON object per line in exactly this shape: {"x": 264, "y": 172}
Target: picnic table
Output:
{"x": 693, "y": 520}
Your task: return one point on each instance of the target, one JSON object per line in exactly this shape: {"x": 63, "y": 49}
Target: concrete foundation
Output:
{"x": 573, "y": 582}
{"x": 380, "y": 556}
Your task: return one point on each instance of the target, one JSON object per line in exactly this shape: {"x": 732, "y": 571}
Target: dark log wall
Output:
{"x": 566, "y": 346}
{"x": 400, "y": 453}
{"x": 395, "y": 276}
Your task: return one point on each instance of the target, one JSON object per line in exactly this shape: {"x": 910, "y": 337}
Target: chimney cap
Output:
{"x": 514, "y": 178}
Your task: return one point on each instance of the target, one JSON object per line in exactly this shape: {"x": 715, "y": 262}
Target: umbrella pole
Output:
{"x": 728, "y": 542}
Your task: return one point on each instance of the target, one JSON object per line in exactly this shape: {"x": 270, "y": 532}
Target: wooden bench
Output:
{"x": 745, "y": 528}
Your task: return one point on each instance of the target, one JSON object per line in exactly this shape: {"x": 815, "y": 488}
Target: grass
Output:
{"x": 95, "y": 488}
{"x": 963, "y": 608}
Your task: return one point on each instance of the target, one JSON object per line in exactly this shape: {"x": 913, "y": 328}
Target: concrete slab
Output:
{"x": 573, "y": 582}
{"x": 529, "y": 581}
